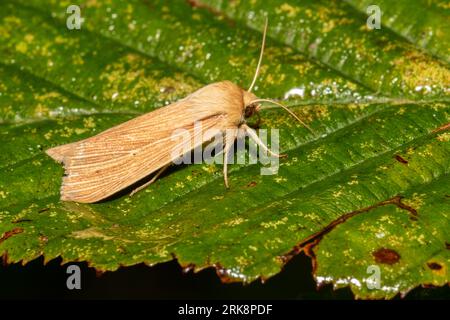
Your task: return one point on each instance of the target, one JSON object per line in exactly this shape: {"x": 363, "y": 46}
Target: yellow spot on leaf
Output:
{"x": 80, "y": 131}
{"x": 89, "y": 122}
{"x": 235, "y": 222}
{"x": 41, "y": 110}
{"x": 280, "y": 179}
{"x": 338, "y": 193}
{"x": 316, "y": 154}
{"x": 179, "y": 185}
{"x": 288, "y": 9}
{"x": 444, "y": 137}
{"x": 22, "y": 47}
{"x": 29, "y": 38}
{"x": 274, "y": 224}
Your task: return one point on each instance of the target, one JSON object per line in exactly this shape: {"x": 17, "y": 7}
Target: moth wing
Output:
{"x": 112, "y": 160}
{"x": 94, "y": 173}
{"x": 205, "y": 102}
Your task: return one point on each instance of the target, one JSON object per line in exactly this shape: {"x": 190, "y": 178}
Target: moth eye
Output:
{"x": 249, "y": 110}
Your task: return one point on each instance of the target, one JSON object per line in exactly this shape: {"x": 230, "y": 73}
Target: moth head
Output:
{"x": 253, "y": 106}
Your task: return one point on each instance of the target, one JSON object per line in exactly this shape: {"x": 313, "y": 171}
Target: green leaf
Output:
{"x": 369, "y": 189}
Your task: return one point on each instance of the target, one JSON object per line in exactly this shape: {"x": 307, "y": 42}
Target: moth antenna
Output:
{"x": 260, "y": 56}
{"x": 287, "y": 109}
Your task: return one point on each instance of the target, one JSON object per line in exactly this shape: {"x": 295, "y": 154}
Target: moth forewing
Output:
{"x": 102, "y": 165}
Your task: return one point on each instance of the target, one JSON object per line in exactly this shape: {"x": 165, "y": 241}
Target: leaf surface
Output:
{"x": 369, "y": 189}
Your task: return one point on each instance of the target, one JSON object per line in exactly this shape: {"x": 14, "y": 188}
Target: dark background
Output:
{"x": 167, "y": 281}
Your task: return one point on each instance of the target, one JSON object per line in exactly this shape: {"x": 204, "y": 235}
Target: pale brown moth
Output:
{"x": 102, "y": 165}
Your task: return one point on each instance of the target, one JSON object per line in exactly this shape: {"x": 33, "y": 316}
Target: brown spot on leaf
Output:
{"x": 43, "y": 210}
{"x": 447, "y": 246}
{"x": 442, "y": 128}
{"x": 10, "y": 233}
{"x": 251, "y": 184}
{"x": 401, "y": 159}
{"x": 386, "y": 256}
{"x": 434, "y": 266}
{"x": 414, "y": 215}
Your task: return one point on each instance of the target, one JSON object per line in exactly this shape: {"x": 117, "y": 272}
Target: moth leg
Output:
{"x": 229, "y": 140}
{"x": 151, "y": 181}
{"x": 258, "y": 122}
{"x": 252, "y": 134}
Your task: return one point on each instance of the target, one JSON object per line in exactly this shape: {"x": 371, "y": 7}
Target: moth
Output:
{"x": 100, "y": 166}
